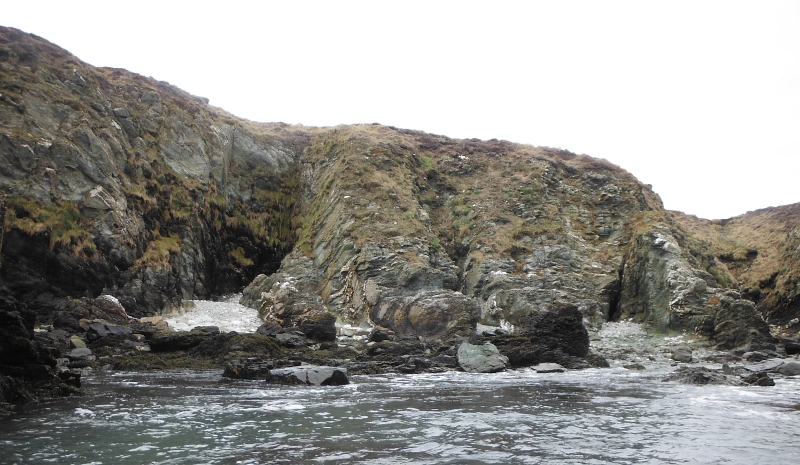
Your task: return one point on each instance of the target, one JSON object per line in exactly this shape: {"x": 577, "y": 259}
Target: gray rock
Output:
{"x": 484, "y": 358}
{"x": 759, "y": 379}
{"x": 290, "y": 340}
{"x": 80, "y": 354}
{"x": 311, "y": 375}
{"x": 682, "y": 355}
{"x": 121, "y": 112}
{"x": 548, "y": 368}
{"x": 700, "y": 376}
{"x": 789, "y": 369}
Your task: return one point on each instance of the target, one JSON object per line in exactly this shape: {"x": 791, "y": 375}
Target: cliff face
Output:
{"x": 758, "y": 251}
{"x": 120, "y": 184}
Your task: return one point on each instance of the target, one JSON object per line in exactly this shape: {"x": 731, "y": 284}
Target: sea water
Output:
{"x": 595, "y": 416}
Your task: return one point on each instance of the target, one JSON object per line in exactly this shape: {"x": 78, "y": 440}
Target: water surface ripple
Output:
{"x": 518, "y": 417}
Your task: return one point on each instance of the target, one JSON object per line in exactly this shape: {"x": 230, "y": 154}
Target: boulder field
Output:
{"x": 121, "y": 197}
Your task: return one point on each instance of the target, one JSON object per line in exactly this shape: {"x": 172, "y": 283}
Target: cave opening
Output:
{"x": 614, "y": 297}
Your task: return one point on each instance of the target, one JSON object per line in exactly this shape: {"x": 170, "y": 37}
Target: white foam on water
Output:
{"x": 228, "y": 315}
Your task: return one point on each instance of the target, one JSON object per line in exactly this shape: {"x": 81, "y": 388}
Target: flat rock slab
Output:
{"x": 310, "y": 375}
{"x": 549, "y": 368}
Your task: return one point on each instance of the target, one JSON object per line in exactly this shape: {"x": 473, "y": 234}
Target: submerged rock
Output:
{"x": 700, "y": 376}
{"x": 548, "y": 368}
{"x": 310, "y": 375}
{"x": 759, "y": 379}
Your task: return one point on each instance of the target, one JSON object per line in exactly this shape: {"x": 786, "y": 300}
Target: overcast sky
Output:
{"x": 701, "y": 99}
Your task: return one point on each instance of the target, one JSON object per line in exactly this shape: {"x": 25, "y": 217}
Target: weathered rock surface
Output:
{"x": 123, "y": 196}
{"x": 701, "y": 376}
{"x": 483, "y": 358}
{"x": 27, "y": 363}
{"x": 310, "y": 375}
{"x": 250, "y": 368}
{"x": 661, "y": 288}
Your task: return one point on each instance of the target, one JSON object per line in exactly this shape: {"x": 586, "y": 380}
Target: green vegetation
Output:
{"x": 238, "y": 256}
{"x": 159, "y": 250}
{"x": 61, "y": 221}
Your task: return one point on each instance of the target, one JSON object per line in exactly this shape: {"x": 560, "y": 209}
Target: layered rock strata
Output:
{"x": 123, "y": 186}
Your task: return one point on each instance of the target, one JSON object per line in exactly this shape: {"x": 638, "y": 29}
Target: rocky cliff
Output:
{"x": 123, "y": 185}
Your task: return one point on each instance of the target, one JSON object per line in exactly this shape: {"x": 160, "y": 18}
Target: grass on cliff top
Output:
{"x": 757, "y": 248}
{"x": 376, "y": 182}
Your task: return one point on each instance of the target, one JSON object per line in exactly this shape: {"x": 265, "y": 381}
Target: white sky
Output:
{"x": 701, "y": 99}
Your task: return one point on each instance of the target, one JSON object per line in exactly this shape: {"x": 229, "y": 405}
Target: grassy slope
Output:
{"x": 759, "y": 250}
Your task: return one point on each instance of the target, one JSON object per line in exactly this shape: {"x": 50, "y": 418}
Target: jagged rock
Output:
{"x": 269, "y": 328}
{"x": 310, "y": 375}
{"x": 105, "y": 308}
{"x": 149, "y": 326}
{"x": 380, "y": 335}
{"x": 700, "y": 376}
{"x": 97, "y": 329}
{"x": 660, "y": 287}
{"x": 286, "y": 307}
{"x": 291, "y": 340}
{"x": 759, "y": 379}
{"x": 250, "y": 368}
{"x": 483, "y": 358}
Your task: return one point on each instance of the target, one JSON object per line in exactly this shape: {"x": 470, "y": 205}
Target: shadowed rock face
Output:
{"x": 122, "y": 185}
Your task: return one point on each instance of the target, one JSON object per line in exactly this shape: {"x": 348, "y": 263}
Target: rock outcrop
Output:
{"x": 122, "y": 192}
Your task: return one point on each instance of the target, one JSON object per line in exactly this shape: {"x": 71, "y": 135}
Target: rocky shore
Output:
{"x": 365, "y": 248}
{"x": 52, "y": 360}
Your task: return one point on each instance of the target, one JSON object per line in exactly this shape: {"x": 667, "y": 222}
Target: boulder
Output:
{"x": 791, "y": 345}
{"x": 789, "y": 369}
{"x": 286, "y": 307}
{"x": 484, "y": 358}
{"x": 431, "y": 315}
{"x": 759, "y": 379}
{"x": 556, "y": 335}
{"x": 380, "y": 335}
{"x": 682, "y": 355}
